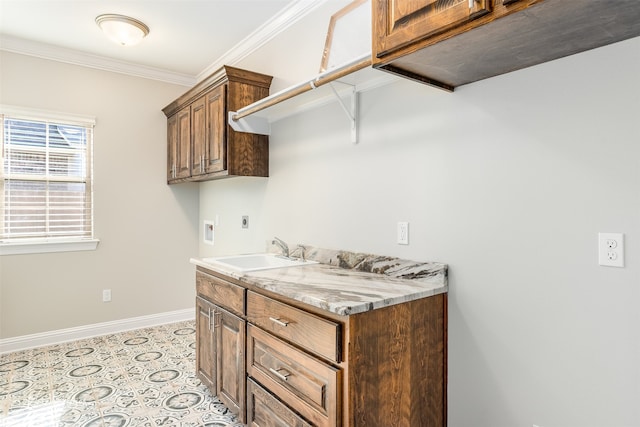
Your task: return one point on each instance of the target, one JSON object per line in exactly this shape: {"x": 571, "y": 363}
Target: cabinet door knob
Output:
{"x": 279, "y": 322}
{"x": 278, "y": 373}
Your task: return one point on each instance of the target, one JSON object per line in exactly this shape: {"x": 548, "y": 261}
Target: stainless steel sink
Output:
{"x": 256, "y": 262}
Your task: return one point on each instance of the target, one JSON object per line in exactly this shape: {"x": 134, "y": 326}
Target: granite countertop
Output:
{"x": 346, "y": 282}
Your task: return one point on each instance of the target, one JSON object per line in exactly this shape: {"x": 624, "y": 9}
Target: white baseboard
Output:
{"x": 24, "y": 342}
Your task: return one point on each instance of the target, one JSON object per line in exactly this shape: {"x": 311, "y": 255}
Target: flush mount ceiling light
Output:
{"x": 122, "y": 29}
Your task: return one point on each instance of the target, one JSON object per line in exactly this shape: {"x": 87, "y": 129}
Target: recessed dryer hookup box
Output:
{"x": 208, "y": 232}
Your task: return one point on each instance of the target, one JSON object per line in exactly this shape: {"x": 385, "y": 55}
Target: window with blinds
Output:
{"x": 46, "y": 191}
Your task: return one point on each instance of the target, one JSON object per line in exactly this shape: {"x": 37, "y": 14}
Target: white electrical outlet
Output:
{"x": 403, "y": 233}
{"x": 106, "y": 295}
{"x": 611, "y": 249}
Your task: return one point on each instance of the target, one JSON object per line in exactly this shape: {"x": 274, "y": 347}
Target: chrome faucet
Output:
{"x": 301, "y": 248}
{"x": 282, "y": 245}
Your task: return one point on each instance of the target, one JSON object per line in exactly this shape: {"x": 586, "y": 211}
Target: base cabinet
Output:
{"x": 220, "y": 360}
{"x": 230, "y": 361}
{"x": 307, "y": 384}
{"x": 281, "y": 363}
{"x": 205, "y": 344}
{"x": 221, "y": 340}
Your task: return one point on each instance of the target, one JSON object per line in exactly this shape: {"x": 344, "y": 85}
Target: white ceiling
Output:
{"x": 186, "y": 36}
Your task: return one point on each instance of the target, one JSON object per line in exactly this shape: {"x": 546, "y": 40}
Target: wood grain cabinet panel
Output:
{"x": 205, "y": 344}
{"x": 265, "y": 410}
{"x": 307, "y": 384}
{"x": 398, "y": 368}
{"x": 307, "y": 330}
{"x": 179, "y": 145}
{"x": 215, "y": 153}
{"x": 405, "y": 21}
{"x": 221, "y": 292}
{"x": 220, "y": 354}
{"x": 286, "y": 364}
{"x": 230, "y": 358}
{"x": 214, "y": 149}
{"x": 198, "y": 136}
{"x": 172, "y": 146}
{"x": 448, "y": 43}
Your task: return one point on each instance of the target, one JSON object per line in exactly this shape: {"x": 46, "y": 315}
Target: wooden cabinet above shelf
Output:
{"x": 426, "y": 44}
{"x": 201, "y": 145}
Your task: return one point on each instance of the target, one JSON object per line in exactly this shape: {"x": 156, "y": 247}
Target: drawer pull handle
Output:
{"x": 277, "y": 373}
{"x": 279, "y": 322}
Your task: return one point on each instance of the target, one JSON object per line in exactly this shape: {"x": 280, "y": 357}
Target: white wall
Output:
{"x": 147, "y": 229}
{"x": 507, "y": 180}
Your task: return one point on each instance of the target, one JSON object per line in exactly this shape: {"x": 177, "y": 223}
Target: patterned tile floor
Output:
{"x": 141, "y": 378}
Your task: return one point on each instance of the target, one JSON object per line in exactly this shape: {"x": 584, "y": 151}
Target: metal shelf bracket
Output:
{"x": 351, "y": 110}
{"x": 262, "y": 126}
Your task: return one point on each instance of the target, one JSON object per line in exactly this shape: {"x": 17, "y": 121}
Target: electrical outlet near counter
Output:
{"x": 611, "y": 249}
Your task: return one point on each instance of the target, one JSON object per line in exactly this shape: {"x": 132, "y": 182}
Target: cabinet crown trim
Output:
{"x": 223, "y": 75}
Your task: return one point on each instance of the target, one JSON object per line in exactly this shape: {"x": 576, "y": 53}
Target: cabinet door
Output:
{"x": 205, "y": 344}
{"x": 230, "y": 342}
{"x": 183, "y": 144}
{"x": 198, "y": 136}
{"x": 172, "y": 146}
{"x": 216, "y": 150}
{"x": 400, "y": 22}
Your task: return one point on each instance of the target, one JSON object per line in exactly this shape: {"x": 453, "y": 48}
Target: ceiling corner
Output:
{"x": 279, "y": 23}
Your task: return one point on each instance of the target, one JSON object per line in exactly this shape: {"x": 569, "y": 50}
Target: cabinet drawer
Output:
{"x": 301, "y": 328}
{"x": 264, "y": 410}
{"x": 306, "y": 384}
{"x": 221, "y": 292}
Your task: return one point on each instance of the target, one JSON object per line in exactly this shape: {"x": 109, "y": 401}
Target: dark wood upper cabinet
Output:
{"x": 215, "y": 148}
{"x": 201, "y": 145}
{"x": 448, "y": 43}
{"x": 407, "y": 21}
{"x": 198, "y": 136}
{"x": 179, "y": 144}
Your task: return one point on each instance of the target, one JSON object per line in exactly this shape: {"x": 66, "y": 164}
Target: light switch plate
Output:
{"x": 403, "y": 233}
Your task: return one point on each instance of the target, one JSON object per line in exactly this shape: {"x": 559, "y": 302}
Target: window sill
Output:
{"x": 44, "y": 246}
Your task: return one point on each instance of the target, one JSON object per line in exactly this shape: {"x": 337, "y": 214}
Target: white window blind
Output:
{"x": 46, "y": 189}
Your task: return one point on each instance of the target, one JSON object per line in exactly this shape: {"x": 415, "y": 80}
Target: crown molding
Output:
{"x": 288, "y": 16}
{"x": 279, "y": 23}
{"x": 70, "y": 56}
